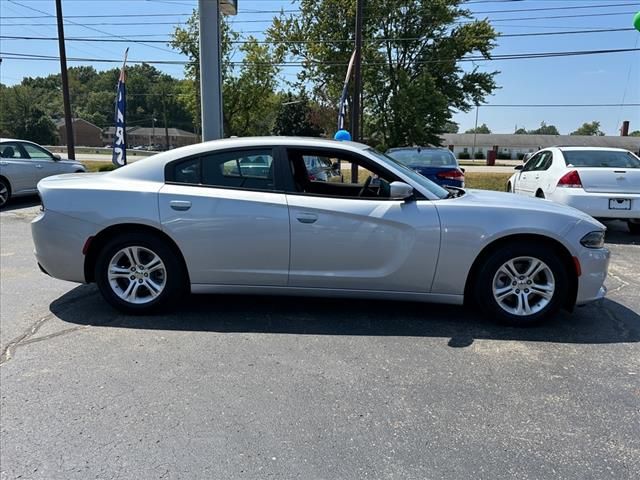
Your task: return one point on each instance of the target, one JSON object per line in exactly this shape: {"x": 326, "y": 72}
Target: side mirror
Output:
{"x": 518, "y": 167}
{"x": 57, "y": 156}
{"x": 400, "y": 190}
{"x": 462, "y": 170}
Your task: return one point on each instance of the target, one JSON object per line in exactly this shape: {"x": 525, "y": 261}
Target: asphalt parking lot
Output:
{"x": 237, "y": 387}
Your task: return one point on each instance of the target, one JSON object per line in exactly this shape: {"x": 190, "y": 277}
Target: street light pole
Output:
{"x": 210, "y": 73}
{"x": 68, "y": 122}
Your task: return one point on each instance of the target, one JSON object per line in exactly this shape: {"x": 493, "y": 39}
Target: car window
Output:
{"x": 600, "y": 158}
{"x": 36, "y": 152}
{"x": 11, "y": 150}
{"x": 245, "y": 169}
{"x": 424, "y": 157}
{"x": 536, "y": 162}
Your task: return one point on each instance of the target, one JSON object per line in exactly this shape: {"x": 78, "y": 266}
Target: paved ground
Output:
{"x": 235, "y": 387}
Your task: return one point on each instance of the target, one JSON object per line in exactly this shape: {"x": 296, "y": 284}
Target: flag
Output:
{"x": 119, "y": 156}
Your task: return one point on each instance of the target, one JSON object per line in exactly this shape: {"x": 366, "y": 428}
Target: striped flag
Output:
{"x": 119, "y": 157}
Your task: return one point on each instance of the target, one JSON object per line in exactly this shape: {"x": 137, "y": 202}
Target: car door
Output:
{"x": 16, "y": 166}
{"x": 359, "y": 243}
{"x": 42, "y": 161}
{"x": 526, "y": 182}
{"x": 230, "y": 220}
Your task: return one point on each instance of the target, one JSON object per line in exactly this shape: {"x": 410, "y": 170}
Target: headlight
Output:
{"x": 593, "y": 239}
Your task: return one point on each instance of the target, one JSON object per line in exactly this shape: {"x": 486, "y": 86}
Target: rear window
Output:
{"x": 600, "y": 158}
{"x": 424, "y": 158}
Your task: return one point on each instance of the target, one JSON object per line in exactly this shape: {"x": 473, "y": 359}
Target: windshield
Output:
{"x": 424, "y": 157}
{"x": 600, "y": 158}
{"x": 414, "y": 176}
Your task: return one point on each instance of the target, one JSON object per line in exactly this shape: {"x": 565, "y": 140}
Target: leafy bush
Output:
{"x": 464, "y": 156}
{"x": 521, "y": 156}
{"x": 479, "y": 155}
{"x": 504, "y": 156}
{"x": 106, "y": 168}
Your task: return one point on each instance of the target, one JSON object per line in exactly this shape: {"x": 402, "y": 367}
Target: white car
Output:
{"x": 23, "y": 164}
{"x": 603, "y": 182}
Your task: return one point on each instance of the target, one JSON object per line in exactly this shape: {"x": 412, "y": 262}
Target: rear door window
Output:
{"x": 600, "y": 158}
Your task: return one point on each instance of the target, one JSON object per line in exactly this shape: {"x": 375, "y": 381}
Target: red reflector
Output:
{"x": 571, "y": 180}
{"x": 87, "y": 244}
{"x": 576, "y": 263}
{"x": 451, "y": 175}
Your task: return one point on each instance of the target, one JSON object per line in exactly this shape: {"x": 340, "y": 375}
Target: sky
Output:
{"x": 590, "y": 79}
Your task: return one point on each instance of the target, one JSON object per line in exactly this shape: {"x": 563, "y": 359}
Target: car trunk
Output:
{"x": 610, "y": 180}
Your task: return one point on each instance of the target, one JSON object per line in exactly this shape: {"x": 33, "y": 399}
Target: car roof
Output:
{"x": 396, "y": 149}
{"x": 588, "y": 149}
{"x": 147, "y": 168}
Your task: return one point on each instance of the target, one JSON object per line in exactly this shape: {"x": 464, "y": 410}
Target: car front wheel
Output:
{"x": 5, "y": 192}
{"x": 521, "y": 284}
{"x": 138, "y": 273}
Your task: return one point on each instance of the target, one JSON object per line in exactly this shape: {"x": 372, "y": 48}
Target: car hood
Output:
{"x": 512, "y": 201}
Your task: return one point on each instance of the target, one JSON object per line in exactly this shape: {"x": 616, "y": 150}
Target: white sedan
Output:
{"x": 202, "y": 219}
{"x": 603, "y": 182}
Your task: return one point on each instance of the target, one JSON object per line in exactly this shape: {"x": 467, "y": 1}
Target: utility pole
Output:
{"x": 475, "y": 133}
{"x": 68, "y": 122}
{"x": 357, "y": 89}
{"x": 210, "y": 73}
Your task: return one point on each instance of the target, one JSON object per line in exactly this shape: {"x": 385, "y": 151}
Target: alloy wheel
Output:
{"x": 137, "y": 275}
{"x": 4, "y": 194}
{"x": 523, "y": 286}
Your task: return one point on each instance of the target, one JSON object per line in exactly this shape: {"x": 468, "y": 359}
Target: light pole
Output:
{"x": 210, "y": 65}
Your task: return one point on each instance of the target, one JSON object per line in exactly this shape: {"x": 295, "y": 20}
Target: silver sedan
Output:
{"x": 23, "y": 164}
{"x": 199, "y": 219}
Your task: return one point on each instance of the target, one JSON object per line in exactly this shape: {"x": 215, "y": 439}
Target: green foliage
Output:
{"x": 411, "y": 76}
{"x": 294, "y": 117}
{"x": 589, "y": 129}
{"x": 635, "y": 133}
{"x": 479, "y": 155}
{"x": 544, "y": 130}
{"x": 107, "y": 168}
{"x": 23, "y": 116}
{"x": 464, "y": 155}
{"x": 450, "y": 127}
{"x": 250, "y": 101}
{"x": 480, "y": 129}
{"x": 503, "y": 156}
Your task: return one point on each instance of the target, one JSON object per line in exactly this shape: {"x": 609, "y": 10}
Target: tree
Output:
{"x": 451, "y": 127}
{"x": 294, "y": 117}
{"x": 411, "y": 73}
{"x": 589, "y": 129}
{"x": 521, "y": 131}
{"x": 635, "y": 133}
{"x": 249, "y": 105}
{"x": 22, "y": 117}
{"x": 481, "y": 129}
{"x": 544, "y": 130}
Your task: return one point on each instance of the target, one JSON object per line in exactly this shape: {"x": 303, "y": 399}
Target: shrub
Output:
{"x": 504, "y": 156}
{"x": 107, "y": 168}
{"x": 464, "y": 156}
{"x": 521, "y": 156}
{"x": 479, "y": 155}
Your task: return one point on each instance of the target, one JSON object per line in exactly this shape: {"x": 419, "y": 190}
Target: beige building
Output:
{"x": 85, "y": 134}
{"x": 145, "y": 136}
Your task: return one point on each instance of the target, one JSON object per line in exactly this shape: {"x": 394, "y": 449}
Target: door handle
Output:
{"x": 180, "y": 205}
{"x": 38, "y": 166}
{"x": 307, "y": 218}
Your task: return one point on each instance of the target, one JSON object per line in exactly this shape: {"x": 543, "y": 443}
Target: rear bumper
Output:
{"x": 597, "y": 204}
{"x": 58, "y": 241}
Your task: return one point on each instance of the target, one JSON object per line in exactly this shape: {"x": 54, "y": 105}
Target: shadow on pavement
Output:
{"x": 618, "y": 233}
{"x": 602, "y": 322}
{"x": 21, "y": 202}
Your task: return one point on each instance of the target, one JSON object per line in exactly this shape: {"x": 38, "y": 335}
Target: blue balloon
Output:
{"x": 342, "y": 135}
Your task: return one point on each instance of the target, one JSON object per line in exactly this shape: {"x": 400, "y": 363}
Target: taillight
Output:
{"x": 570, "y": 180}
{"x": 451, "y": 175}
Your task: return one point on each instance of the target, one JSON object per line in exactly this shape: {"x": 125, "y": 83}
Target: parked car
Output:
{"x": 439, "y": 165}
{"x": 603, "y": 182}
{"x": 321, "y": 169}
{"x": 180, "y": 221}
{"x": 23, "y": 164}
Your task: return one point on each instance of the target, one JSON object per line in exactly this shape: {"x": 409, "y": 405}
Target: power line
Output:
{"x": 373, "y": 40}
{"x": 514, "y": 56}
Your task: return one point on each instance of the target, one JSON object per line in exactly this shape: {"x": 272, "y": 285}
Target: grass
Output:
{"x": 481, "y": 180}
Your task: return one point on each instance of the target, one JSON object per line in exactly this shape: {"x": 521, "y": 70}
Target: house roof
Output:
{"x": 539, "y": 141}
{"x": 61, "y": 123}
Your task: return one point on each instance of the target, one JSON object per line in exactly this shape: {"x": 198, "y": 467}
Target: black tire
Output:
{"x": 484, "y": 282}
{"x": 508, "y": 187}
{"x": 4, "y": 187}
{"x": 540, "y": 194}
{"x": 175, "y": 280}
{"x": 634, "y": 227}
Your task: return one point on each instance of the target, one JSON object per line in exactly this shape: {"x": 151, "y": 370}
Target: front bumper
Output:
{"x": 594, "y": 264}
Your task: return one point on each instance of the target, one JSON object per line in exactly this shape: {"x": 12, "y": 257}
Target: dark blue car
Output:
{"x": 437, "y": 164}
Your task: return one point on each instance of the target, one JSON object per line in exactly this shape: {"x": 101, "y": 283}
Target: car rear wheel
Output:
{"x": 5, "y": 192}
{"x": 509, "y": 187}
{"x": 634, "y": 226}
{"x": 138, "y": 273}
{"x": 540, "y": 194}
{"x": 521, "y": 285}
